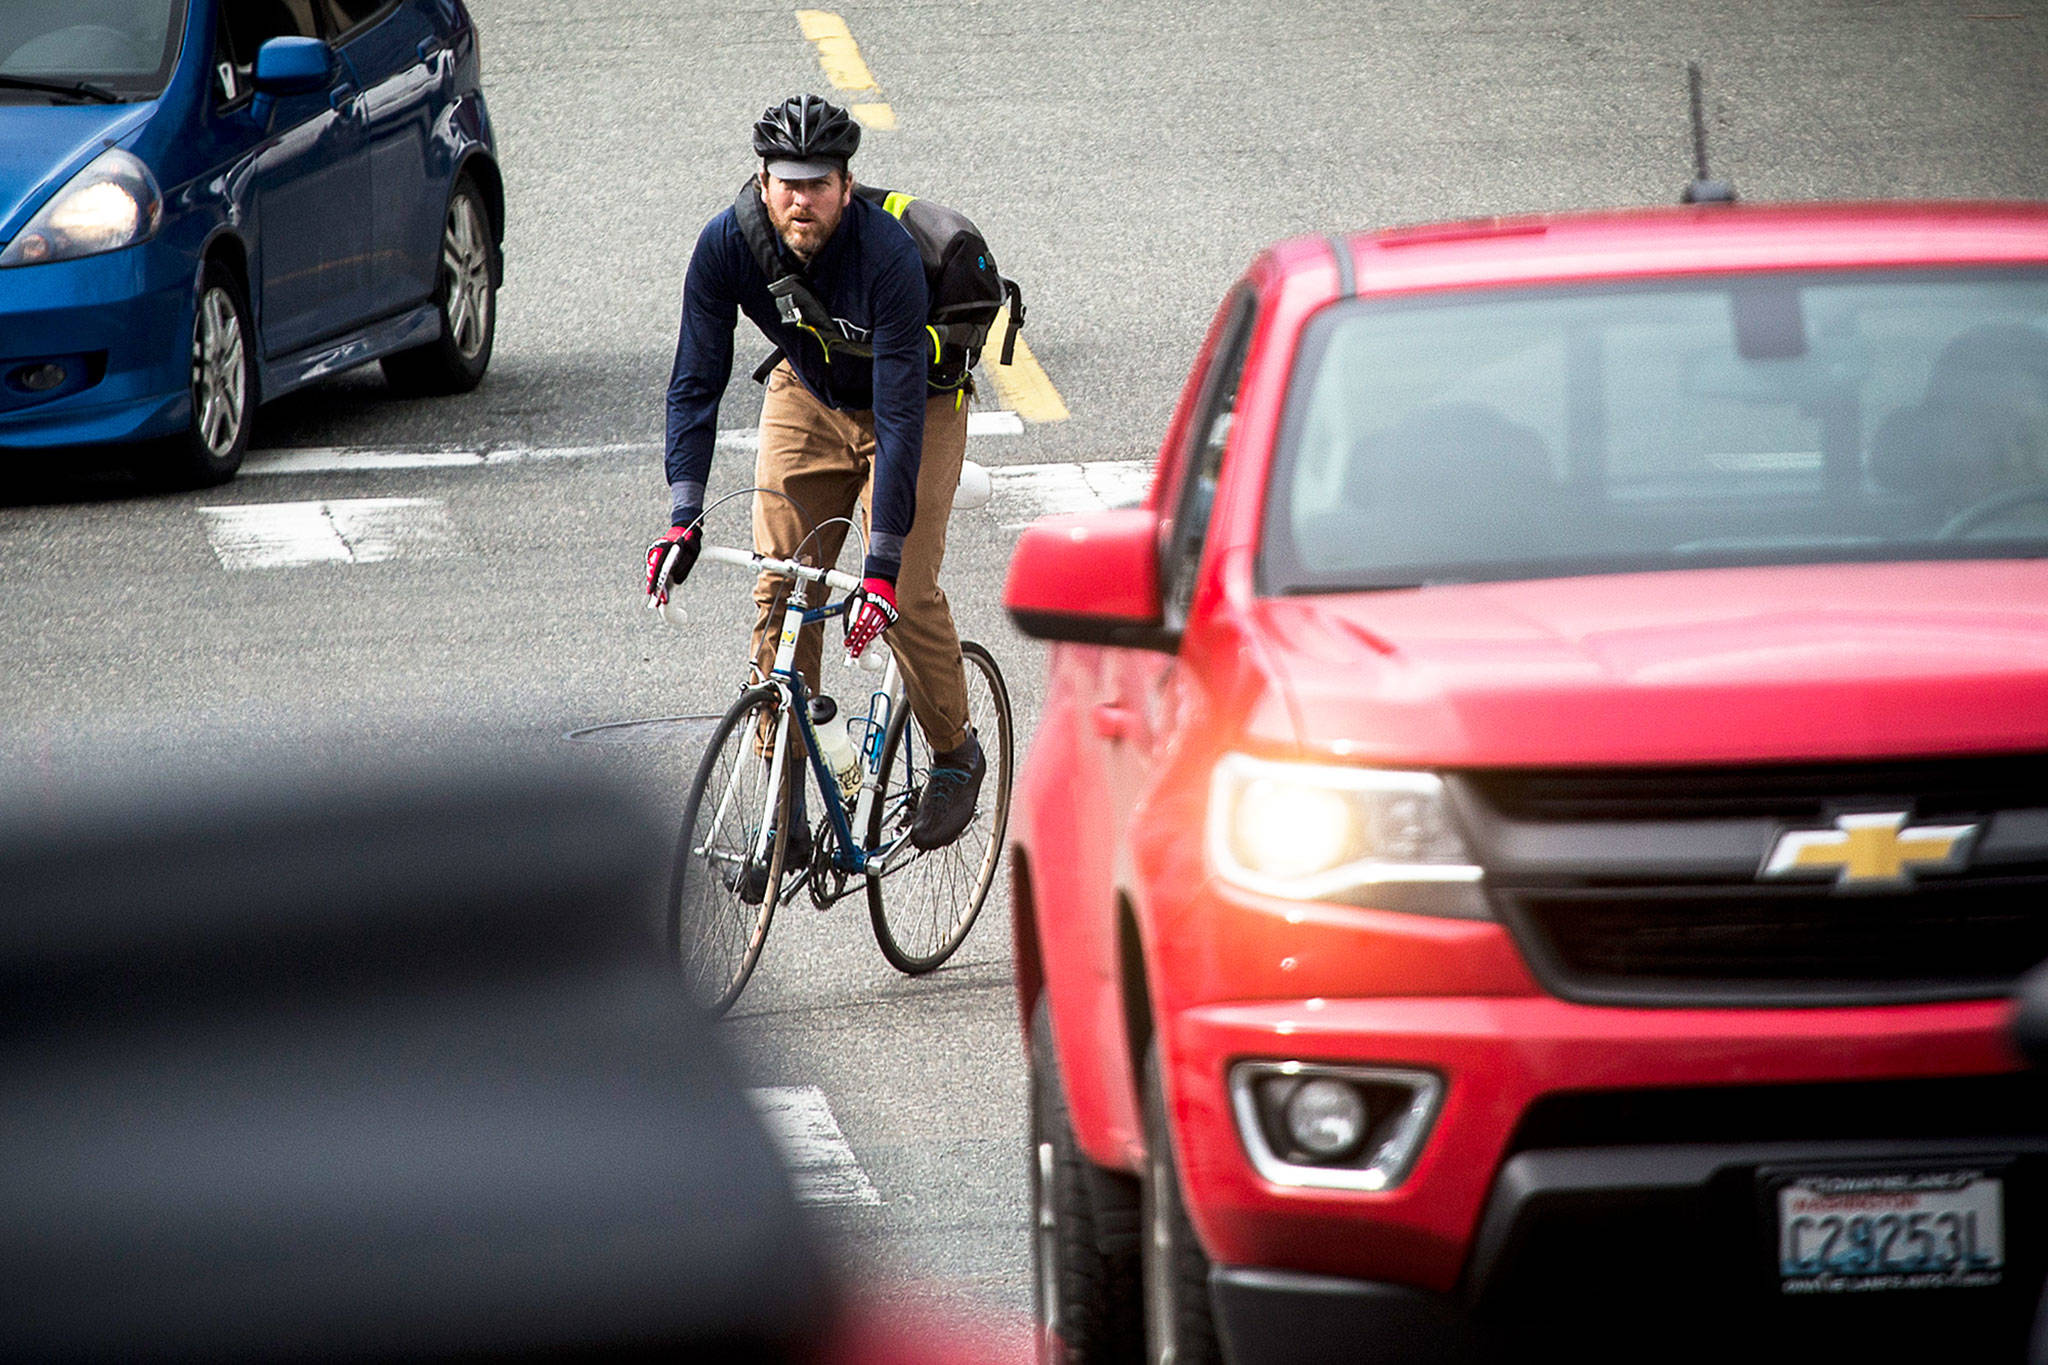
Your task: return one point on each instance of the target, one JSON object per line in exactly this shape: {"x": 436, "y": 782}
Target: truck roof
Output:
{"x": 1698, "y": 239}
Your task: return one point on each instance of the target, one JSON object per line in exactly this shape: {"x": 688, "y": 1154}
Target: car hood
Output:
{"x": 1735, "y": 665}
{"x": 42, "y": 146}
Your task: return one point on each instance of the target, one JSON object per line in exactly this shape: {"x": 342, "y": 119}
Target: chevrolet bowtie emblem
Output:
{"x": 1872, "y": 851}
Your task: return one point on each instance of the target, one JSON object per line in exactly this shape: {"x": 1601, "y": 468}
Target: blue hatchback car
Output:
{"x": 205, "y": 204}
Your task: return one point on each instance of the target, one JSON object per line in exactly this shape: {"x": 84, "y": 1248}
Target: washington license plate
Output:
{"x": 1856, "y": 1231}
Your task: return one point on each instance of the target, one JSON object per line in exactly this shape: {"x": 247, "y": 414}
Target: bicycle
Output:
{"x": 736, "y": 821}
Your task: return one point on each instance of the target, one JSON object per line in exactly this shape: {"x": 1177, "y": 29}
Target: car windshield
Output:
{"x": 1776, "y": 419}
{"x": 58, "y": 50}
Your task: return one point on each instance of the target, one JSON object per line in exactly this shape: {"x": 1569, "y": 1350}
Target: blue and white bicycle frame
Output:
{"x": 884, "y": 702}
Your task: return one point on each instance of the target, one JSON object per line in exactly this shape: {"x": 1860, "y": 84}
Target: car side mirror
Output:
{"x": 293, "y": 66}
{"x": 1090, "y": 578}
{"x": 2030, "y": 1016}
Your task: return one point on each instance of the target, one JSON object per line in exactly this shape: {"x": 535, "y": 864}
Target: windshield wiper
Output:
{"x": 75, "y": 89}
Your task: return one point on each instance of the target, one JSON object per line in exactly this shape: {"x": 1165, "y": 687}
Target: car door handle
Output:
{"x": 1114, "y": 722}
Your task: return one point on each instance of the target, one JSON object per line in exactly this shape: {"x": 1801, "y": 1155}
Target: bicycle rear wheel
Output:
{"x": 923, "y": 909}
{"x": 716, "y": 922}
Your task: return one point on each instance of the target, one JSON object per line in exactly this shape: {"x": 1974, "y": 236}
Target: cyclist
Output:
{"x": 834, "y": 428}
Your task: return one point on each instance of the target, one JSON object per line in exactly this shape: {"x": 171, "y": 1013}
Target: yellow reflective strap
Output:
{"x": 821, "y": 340}
{"x": 959, "y": 398}
{"x": 935, "y": 343}
{"x": 897, "y": 201}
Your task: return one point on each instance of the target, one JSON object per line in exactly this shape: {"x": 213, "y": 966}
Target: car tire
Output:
{"x": 1084, "y": 1247}
{"x": 1180, "y": 1323}
{"x": 466, "y": 295}
{"x": 223, "y": 379}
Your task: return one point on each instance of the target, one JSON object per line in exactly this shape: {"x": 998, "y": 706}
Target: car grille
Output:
{"x": 1643, "y": 884}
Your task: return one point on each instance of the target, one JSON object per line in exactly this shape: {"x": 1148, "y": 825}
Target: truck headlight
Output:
{"x": 1317, "y": 832}
{"x": 112, "y": 203}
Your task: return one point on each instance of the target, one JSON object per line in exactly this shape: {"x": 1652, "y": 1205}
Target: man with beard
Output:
{"x": 835, "y": 427}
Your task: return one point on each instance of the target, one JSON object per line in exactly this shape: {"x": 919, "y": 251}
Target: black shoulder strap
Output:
{"x": 1015, "y": 297}
{"x": 795, "y": 302}
{"x": 759, "y": 232}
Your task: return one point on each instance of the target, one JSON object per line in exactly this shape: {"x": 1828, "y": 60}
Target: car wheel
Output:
{"x": 467, "y": 297}
{"x": 1180, "y": 1326}
{"x": 223, "y": 386}
{"x": 1084, "y": 1246}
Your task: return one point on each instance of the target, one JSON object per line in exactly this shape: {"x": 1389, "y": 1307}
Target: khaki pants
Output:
{"x": 824, "y": 460}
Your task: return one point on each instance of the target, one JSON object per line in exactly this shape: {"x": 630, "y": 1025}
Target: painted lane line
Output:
{"x": 333, "y": 459}
{"x": 341, "y": 459}
{"x": 821, "y": 1164}
{"x": 840, "y": 56}
{"x": 345, "y": 531}
{"x": 1024, "y": 492}
{"x": 1022, "y": 385}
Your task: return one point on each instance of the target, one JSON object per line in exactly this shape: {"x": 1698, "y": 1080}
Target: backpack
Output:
{"x": 960, "y": 275}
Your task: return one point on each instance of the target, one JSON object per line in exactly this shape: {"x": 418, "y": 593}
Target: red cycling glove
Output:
{"x": 875, "y": 614}
{"x": 670, "y": 559}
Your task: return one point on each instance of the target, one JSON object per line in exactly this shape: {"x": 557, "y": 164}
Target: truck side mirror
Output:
{"x": 1091, "y": 578}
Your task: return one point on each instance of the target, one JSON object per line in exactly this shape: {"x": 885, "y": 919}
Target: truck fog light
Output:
{"x": 40, "y": 378}
{"x": 1333, "y": 1125}
{"x": 1327, "y": 1119}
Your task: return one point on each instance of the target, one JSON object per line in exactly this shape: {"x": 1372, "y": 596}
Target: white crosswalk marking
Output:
{"x": 363, "y": 530}
{"x": 1025, "y": 491}
{"x": 821, "y": 1164}
{"x": 339, "y": 460}
{"x": 342, "y": 531}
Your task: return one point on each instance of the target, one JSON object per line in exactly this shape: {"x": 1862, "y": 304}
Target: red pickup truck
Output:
{"x": 1537, "y": 816}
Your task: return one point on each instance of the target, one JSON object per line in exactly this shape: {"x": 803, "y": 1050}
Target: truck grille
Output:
{"x": 1799, "y": 792}
{"x": 1938, "y": 942}
{"x": 1642, "y": 886}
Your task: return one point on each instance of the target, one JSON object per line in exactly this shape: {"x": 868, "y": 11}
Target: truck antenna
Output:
{"x": 1703, "y": 189}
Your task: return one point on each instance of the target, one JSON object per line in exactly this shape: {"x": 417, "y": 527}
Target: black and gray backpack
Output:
{"x": 960, "y": 275}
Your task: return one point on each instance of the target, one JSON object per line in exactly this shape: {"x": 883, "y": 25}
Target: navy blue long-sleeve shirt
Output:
{"x": 871, "y": 280}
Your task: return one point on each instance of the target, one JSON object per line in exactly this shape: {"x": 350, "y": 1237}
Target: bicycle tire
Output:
{"x": 715, "y": 933}
{"x": 922, "y": 911}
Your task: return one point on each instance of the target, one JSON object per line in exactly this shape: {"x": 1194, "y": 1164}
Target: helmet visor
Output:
{"x": 815, "y": 168}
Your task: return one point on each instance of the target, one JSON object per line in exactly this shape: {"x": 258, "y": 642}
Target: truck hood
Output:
{"x": 42, "y": 146}
{"x": 1708, "y": 666}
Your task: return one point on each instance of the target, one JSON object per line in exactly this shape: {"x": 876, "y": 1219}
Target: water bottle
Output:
{"x": 835, "y": 746}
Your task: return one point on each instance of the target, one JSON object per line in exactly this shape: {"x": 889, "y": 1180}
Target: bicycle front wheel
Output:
{"x": 924, "y": 908}
{"x": 727, "y": 872}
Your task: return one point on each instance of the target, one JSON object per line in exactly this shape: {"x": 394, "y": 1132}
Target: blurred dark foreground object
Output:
{"x": 390, "y": 1069}
{"x": 2030, "y": 1016}
{"x": 2030, "y": 1034}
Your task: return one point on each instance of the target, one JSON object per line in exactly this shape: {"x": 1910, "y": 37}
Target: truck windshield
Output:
{"x": 66, "y": 50}
{"x": 1774, "y": 419}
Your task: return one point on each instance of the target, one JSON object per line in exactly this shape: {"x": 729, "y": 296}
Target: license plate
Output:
{"x": 1858, "y": 1231}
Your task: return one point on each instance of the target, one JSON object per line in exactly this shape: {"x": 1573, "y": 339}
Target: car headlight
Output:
{"x": 112, "y": 203}
{"x": 1314, "y": 832}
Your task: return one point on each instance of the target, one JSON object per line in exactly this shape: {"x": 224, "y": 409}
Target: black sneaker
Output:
{"x": 751, "y": 882}
{"x": 950, "y": 790}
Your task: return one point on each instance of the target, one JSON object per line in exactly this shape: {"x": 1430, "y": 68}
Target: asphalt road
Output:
{"x": 1126, "y": 162}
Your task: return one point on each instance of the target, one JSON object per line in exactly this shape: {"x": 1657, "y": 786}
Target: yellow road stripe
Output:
{"x": 1021, "y": 385}
{"x": 879, "y": 117}
{"x": 840, "y": 55}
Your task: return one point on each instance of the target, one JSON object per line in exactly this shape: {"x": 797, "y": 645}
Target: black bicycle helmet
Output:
{"x": 805, "y": 137}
